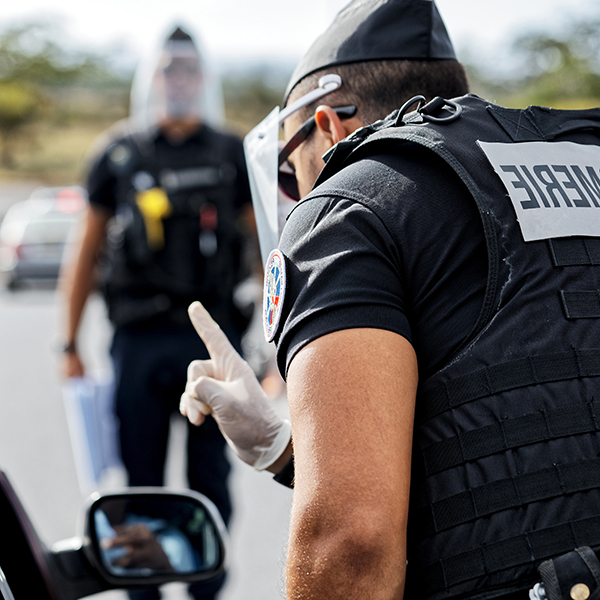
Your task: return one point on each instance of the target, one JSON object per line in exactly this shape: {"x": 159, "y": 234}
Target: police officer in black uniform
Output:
{"x": 168, "y": 201}
{"x": 437, "y": 323}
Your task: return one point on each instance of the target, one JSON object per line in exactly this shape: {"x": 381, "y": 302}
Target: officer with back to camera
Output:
{"x": 434, "y": 301}
{"x": 168, "y": 195}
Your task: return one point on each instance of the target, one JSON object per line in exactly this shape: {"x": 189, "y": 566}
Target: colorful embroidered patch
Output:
{"x": 274, "y": 293}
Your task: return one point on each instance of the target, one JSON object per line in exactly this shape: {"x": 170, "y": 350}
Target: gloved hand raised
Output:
{"x": 226, "y": 386}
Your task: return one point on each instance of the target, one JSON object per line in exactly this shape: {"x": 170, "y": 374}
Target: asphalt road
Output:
{"x": 36, "y": 454}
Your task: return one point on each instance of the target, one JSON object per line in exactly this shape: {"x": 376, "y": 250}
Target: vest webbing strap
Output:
{"x": 439, "y": 397}
{"x": 576, "y": 251}
{"x": 581, "y": 305}
{"x": 504, "y": 494}
{"x": 508, "y": 434}
{"x": 521, "y": 550}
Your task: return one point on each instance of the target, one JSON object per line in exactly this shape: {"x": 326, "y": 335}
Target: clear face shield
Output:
{"x": 272, "y": 181}
{"x": 178, "y": 83}
{"x": 175, "y": 83}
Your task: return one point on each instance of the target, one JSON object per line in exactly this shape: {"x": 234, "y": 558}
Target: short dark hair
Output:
{"x": 379, "y": 87}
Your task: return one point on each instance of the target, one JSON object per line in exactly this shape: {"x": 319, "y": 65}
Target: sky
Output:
{"x": 249, "y": 29}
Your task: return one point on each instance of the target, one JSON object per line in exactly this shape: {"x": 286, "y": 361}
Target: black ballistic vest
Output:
{"x": 506, "y": 453}
{"x": 199, "y": 258}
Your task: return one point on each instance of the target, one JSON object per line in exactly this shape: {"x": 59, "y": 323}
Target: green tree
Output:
{"x": 563, "y": 70}
{"x": 252, "y": 92}
{"x": 19, "y": 105}
{"x": 31, "y": 52}
{"x": 35, "y": 69}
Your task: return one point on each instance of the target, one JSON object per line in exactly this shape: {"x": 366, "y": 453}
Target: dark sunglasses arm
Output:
{"x": 344, "y": 112}
{"x": 296, "y": 139}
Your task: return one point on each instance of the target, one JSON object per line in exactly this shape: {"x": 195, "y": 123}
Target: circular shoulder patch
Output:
{"x": 274, "y": 293}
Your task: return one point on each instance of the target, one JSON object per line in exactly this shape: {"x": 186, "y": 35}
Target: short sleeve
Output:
{"x": 100, "y": 183}
{"x": 343, "y": 272}
{"x": 244, "y": 197}
{"x": 392, "y": 242}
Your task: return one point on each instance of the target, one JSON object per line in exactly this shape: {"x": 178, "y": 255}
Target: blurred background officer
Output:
{"x": 168, "y": 198}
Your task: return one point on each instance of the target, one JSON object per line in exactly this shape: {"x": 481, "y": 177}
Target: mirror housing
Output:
{"x": 151, "y": 536}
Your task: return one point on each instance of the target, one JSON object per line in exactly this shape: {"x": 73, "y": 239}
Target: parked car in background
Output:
{"x": 36, "y": 232}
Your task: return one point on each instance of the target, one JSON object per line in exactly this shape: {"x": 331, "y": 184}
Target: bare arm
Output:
{"x": 352, "y": 397}
{"x": 80, "y": 279}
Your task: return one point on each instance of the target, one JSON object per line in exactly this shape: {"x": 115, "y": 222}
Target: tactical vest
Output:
{"x": 174, "y": 237}
{"x": 506, "y": 454}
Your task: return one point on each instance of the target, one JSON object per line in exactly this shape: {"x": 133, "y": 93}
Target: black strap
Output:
{"x": 561, "y": 574}
{"x": 286, "y": 475}
{"x": 521, "y": 550}
{"x": 504, "y": 494}
{"x": 537, "y": 123}
{"x": 575, "y": 251}
{"x": 581, "y": 305}
{"x": 508, "y": 434}
{"x": 522, "y": 372}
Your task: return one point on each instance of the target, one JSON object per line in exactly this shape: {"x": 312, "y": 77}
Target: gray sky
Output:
{"x": 259, "y": 28}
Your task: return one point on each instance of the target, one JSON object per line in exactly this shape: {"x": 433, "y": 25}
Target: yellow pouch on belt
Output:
{"x": 155, "y": 206}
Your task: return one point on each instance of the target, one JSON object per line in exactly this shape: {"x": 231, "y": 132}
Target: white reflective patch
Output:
{"x": 554, "y": 186}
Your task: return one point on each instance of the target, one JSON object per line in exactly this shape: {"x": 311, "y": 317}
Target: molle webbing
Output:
{"x": 581, "y": 305}
{"x": 576, "y": 251}
{"x": 510, "y": 434}
{"x": 521, "y": 372}
{"x": 522, "y": 549}
{"x": 495, "y": 497}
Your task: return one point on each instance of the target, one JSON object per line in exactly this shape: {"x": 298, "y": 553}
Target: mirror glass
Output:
{"x": 151, "y": 535}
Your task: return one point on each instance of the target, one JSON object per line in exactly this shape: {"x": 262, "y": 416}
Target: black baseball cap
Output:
{"x": 378, "y": 30}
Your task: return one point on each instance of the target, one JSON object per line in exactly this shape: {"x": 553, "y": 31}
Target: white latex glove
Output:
{"x": 226, "y": 386}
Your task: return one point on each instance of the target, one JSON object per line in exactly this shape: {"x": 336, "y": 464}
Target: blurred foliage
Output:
{"x": 55, "y": 98}
{"x": 43, "y": 81}
{"x": 558, "y": 70}
{"x": 252, "y": 93}
{"x": 31, "y": 53}
{"x": 19, "y": 104}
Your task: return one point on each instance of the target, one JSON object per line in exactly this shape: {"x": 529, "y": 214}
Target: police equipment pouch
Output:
{"x": 572, "y": 576}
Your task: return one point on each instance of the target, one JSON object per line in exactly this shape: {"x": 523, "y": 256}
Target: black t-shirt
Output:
{"x": 201, "y": 253}
{"x": 391, "y": 242}
{"x": 101, "y": 176}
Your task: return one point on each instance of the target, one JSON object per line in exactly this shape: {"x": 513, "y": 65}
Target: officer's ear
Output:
{"x": 331, "y": 126}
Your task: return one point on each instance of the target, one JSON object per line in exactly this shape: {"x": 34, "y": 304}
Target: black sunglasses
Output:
{"x": 287, "y": 176}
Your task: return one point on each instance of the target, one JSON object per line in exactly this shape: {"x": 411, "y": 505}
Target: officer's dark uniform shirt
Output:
{"x": 101, "y": 181}
{"x": 369, "y": 238}
{"x": 200, "y": 257}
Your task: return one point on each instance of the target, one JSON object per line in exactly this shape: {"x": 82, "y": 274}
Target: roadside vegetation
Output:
{"x": 55, "y": 100}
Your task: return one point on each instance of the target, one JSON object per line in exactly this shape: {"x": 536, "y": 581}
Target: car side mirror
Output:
{"x": 152, "y": 536}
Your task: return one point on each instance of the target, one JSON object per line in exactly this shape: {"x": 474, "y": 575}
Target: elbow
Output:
{"x": 364, "y": 556}
{"x": 359, "y": 552}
